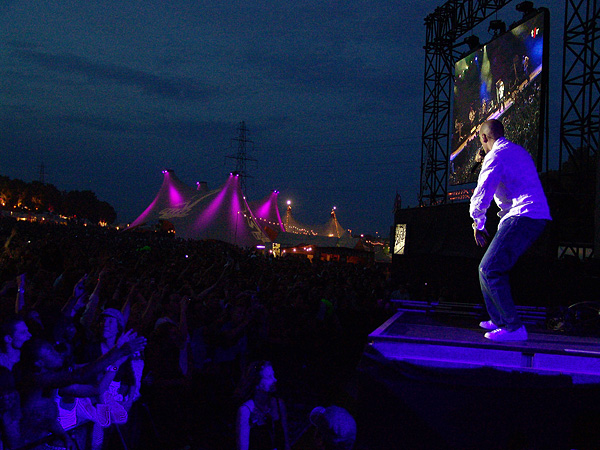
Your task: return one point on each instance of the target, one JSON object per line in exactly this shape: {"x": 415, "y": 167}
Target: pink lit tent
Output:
{"x": 266, "y": 213}
{"x": 220, "y": 214}
{"x": 224, "y": 216}
{"x": 173, "y": 195}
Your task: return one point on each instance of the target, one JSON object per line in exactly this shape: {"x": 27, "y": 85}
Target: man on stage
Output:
{"x": 509, "y": 176}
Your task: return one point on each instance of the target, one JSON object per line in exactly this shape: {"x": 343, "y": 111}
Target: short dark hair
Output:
{"x": 8, "y": 328}
{"x": 495, "y": 128}
{"x": 31, "y": 353}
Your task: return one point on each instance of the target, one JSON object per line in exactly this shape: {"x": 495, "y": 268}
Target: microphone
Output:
{"x": 478, "y": 159}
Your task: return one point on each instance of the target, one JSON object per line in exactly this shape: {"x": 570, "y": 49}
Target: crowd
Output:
{"x": 142, "y": 340}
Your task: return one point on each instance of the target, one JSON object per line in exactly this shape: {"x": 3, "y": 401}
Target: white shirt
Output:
{"x": 508, "y": 175}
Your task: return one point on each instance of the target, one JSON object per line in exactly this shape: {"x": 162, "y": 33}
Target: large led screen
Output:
{"x": 505, "y": 80}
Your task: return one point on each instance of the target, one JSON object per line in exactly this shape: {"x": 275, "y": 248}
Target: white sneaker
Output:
{"x": 488, "y": 325}
{"x": 502, "y": 334}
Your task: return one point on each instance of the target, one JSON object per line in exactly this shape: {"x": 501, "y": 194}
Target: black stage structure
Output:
{"x": 433, "y": 243}
{"x": 428, "y": 379}
{"x": 580, "y": 112}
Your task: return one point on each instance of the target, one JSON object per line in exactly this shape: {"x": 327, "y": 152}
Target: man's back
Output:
{"x": 508, "y": 174}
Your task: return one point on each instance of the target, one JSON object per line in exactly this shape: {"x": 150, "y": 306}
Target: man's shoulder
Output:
{"x": 505, "y": 148}
{"x": 7, "y": 379}
{"x": 505, "y": 143}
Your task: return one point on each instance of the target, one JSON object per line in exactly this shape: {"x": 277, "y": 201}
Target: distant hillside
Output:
{"x": 17, "y": 195}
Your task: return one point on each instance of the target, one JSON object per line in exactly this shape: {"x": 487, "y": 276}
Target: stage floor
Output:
{"x": 445, "y": 341}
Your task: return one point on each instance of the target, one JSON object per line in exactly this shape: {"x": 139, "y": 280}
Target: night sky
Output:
{"x": 106, "y": 94}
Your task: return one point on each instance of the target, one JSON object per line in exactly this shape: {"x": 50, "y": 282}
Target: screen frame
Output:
{"x": 542, "y": 149}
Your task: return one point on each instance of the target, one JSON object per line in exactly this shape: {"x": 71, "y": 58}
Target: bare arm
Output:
{"x": 184, "y": 271}
{"x": 57, "y": 430}
{"x": 126, "y": 309}
{"x": 78, "y": 292}
{"x": 65, "y": 378}
{"x": 13, "y": 233}
{"x": 184, "y": 335}
{"x": 284, "y": 424}
{"x": 151, "y": 307}
{"x": 89, "y": 315}
{"x": 20, "y": 302}
{"x": 92, "y": 390}
{"x": 243, "y": 428}
{"x": 209, "y": 289}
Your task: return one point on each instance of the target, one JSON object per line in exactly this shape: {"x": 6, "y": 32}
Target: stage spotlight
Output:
{"x": 498, "y": 27}
{"x": 472, "y": 41}
{"x": 526, "y": 8}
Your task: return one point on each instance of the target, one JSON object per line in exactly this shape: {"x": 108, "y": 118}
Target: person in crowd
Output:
{"x": 509, "y": 176}
{"x": 127, "y": 382}
{"x": 13, "y": 334}
{"x": 243, "y": 304}
{"x": 93, "y": 400}
{"x": 335, "y": 428}
{"x": 261, "y": 417}
{"x": 166, "y": 379}
{"x": 42, "y": 373}
{"x": 124, "y": 387}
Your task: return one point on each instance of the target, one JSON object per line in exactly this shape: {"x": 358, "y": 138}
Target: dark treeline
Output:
{"x": 38, "y": 197}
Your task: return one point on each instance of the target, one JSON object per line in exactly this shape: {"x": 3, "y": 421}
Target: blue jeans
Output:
{"x": 514, "y": 236}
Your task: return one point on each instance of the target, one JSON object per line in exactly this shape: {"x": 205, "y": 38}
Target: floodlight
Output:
{"x": 498, "y": 27}
{"x": 473, "y": 42}
{"x": 526, "y": 8}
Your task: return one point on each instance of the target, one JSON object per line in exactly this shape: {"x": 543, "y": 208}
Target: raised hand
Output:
{"x": 79, "y": 288}
{"x": 126, "y": 337}
{"x": 135, "y": 345}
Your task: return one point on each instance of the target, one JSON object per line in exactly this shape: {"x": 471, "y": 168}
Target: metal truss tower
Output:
{"x": 580, "y": 111}
{"x": 443, "y": 29}
{"x": 242, "y": 154}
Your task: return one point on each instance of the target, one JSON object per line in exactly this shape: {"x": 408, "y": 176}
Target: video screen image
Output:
{"x": 503, "y": 80}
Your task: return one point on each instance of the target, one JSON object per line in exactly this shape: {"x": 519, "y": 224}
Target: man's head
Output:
{"x": 39, "y": 355}
{"x": 13, "y": 334}
{"x": 335, "y": 428}
{"x": 112, "y": 323}
{"x": 490, "y": 131}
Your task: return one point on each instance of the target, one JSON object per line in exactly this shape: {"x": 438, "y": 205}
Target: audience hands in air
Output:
{"x": 131, "y": 343}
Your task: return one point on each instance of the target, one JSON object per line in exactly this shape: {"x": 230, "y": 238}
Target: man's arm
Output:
{"x": 80, "y": 375}
{"x": 487, "y": 183}
{"x": 69, "y": 309}
{"x": 89, "y": 315}
{"x": 20, "y": 301}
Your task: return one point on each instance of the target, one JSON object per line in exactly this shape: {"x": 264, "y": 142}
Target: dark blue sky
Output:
{"x": 108, "y": 93}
